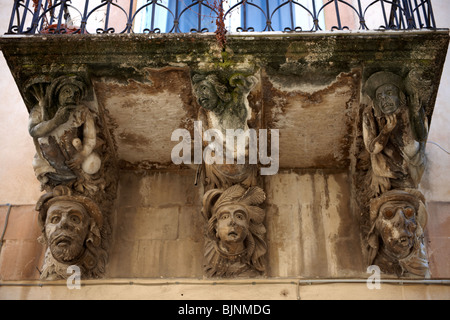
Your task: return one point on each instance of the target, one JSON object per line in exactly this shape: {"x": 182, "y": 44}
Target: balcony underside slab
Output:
{"x": 309, "y": 85}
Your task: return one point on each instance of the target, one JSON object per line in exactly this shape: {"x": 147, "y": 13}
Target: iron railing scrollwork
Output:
{"x": 180, "y": 16}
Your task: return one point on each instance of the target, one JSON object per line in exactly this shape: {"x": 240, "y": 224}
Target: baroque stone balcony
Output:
{"x": 313, "y": 87}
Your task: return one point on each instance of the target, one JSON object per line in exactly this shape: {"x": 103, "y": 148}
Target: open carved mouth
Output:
{"x": 388, "y": 105}
{"x": 232, "y": 234}
{"x": 404, "y": 241}
{"x": 63, "y": 241}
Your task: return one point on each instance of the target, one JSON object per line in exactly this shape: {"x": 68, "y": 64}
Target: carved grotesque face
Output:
{"x": 387, "y": 98}
{"x": 232, "y": 223}
{"x": 66, "y": 228}
{"x": 68, "y": 95}
{"x": 397, "y": 226}
{"x": 207, "y": 96}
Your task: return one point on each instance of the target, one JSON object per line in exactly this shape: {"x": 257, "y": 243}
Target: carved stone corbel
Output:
{"x": 73, "y": 231}
{"x": 398, "y": 219}
{"x": 65, "y": 135}
{"x": 394, "y": 130}
{"x": 75, "y": 165}
{"x": 235, "y": 234}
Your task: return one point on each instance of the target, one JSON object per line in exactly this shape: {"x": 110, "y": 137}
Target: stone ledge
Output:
{"x": 188, "y": 289}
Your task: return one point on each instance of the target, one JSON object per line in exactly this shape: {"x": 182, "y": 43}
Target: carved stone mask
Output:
{"x": 69, "y": 94}
{"x": 397, "y": 227}
{"x": 69, "y": 223}
{"x": 66, "y": 228}
{"x": 387, "y": 98}
{"x": 232, "y": 223}
{"x": 207, "y": 96}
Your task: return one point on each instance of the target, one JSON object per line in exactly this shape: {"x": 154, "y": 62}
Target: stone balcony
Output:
{"x": 142, "y": 83}
{"x": 308, "y": 85}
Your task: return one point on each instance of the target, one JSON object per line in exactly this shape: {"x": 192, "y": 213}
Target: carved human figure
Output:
{"x": 71, "y": 229}
{"x": 64, "y": 133}
{"x": 226, "y": 109}
{"x": 235, "y": 244}
{"x": 394, "y": 132}
{"x": 398, "y": 218}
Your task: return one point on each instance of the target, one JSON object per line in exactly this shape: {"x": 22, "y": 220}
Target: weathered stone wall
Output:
{"x": 311, "y": 230}
{"x": 158, "y": 228}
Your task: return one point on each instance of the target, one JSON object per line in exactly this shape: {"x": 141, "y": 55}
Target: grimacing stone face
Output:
{"x": 387, "y": 98}
{"x": 68, "y": 95}
{"x": 66, "y": 228}
{"x": 397, "y": 226}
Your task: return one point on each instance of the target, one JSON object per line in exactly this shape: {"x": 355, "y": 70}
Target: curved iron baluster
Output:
{"x": 50, "y": 27}
{"x": 251, "y": 29}
{"x": 201, "y": 31}
{"x": 200, "y": 3}
{"x": 230, "y": 10}
{"x": 112, "y": 29}
{"x": 78, "y": 11}
{"x": 397, "y": 14}
{"x": 315, "y": 19}
{"x": 108, "y": 29}
{"x": 389, "y": 24}
{"x": 338, "y": 17}
{"x": 356, "y": 11}
{"x": 427, "y": 16}
{"x": 18, "y": 28}
{"x": 289, "y": 30}
{"x": 155, "y": 3}
{"x": 154, "y": 31}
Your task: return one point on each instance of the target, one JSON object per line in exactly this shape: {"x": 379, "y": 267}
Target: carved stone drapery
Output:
{"x": 74, "y": 166}
{"x": 235, "y": 234}
{"x": 395, "y": 130}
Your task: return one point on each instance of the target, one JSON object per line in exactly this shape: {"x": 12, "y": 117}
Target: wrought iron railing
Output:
{"x": 179, "y": 16}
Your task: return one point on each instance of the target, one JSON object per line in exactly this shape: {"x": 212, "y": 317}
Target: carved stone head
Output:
{"x": 66, "y": 227}
{"x": 232, "y": 227}
{"x": 235, "y": 231}
{"x": 396, "y": 237}
{"x": 71, "y": 229}
{"x": 386, "y": 90}
{"x": 69, "y": 94}
{"x": 211, "y": 93}
{"x": 65, "y": 91}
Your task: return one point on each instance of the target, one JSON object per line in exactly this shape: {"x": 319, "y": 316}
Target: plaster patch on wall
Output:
{"x": 314, "y": 127}
{"x": 144, "y": 131}
{"x": 143, "y": 115}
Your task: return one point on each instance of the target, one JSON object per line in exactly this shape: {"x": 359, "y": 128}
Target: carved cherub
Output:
{"x": 71, "y": 228}
{"x": 235, "y": 232}
{"x": 64, "y": 134}
{"x": 395, "y": 132}
{"x": 398, "y": 219}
